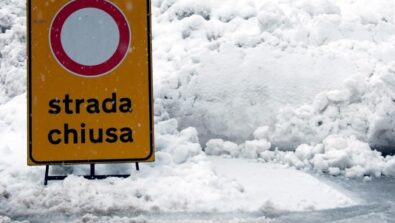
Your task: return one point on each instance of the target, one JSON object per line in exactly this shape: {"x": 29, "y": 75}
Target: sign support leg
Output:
{"x": 92, "y": 175}
{"x": 92, "y": 171}
{"x": 46, "y": 175}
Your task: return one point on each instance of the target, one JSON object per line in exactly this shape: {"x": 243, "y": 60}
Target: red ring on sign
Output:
{"x": 89, "y": 70}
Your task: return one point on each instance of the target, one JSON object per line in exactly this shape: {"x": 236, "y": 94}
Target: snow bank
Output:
{"x": 237, "y": 65}
{"x": 233, "y": 62}
{"x": 12, "y": 49}
{"x": 256, "y": 73}
{"x": 364, "y": 108}
{"x": 336, "y": 155}
{"x": 182, "y": 179}
{"x": 8, "y": 220}
{"x": 186, "y": 187}
{"x": 261, "y": 76}
{"x": 13, "y": 133}
{"x": 225, "y": 69}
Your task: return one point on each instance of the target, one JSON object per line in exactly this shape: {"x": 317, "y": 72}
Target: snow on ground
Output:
{"x": 287, "y": 87}
{"x": 182, "y": 179}
{"x": 274, "y": 186}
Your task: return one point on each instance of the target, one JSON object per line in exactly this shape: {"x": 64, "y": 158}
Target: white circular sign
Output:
{"x": 90, "y": 36}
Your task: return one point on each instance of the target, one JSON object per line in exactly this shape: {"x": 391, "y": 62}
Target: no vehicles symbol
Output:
{"x": 90, "y": 38}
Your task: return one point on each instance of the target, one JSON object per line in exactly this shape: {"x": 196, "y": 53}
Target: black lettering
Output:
{"x": 126, "y": 105}
{"x": 92, "y": 138}
{"x": 112, "y": 137}
{"x": 112, "y": 102}
{"x": 126, "y": 135}
{"x": 93, "y": 106}
{"x": 67, "y": 101}
{"x": 78, "y": 103}
{"x": 82, "y": 133}
{"x": 54, "y": 106}
{"x": 68, "y": 132}
{"x": 51, "y": 138}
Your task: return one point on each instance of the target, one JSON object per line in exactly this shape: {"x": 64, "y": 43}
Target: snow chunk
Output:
{"x": 181, "y": 146}
{"x": 218, "y": 147}
{"x": 319, "y": 7}
{"x": 251, "y": 149}
{"x": 262, "y": 133}
{"x": 339, "y": 95}
{"x": 390, "y": 168}
{"x": 336, "y": 155}
{"x": 304, "y": 152}
{"x": 167, "y": 127}
{"x": 271, "y": 17}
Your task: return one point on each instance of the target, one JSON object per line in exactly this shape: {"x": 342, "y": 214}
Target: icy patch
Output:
{"x": 273, "y": 187}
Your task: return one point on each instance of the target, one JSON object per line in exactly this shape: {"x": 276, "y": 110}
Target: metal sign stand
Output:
{"x": 92, "y": 175}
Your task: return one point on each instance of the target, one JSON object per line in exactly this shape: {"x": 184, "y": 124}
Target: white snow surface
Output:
{"x": 12, "y": 49}
{"x": 267, "y": 76}
{"x": 291, "y": 85}
{"x": 183, "y": 178}
{"x": 336, "y": 155}
{"x": 307, "y": 69}
{"x": 267, "y": 186}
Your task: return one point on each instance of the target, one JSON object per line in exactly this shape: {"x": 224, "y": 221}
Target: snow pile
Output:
{"x": 180, "y": 146}
{"x": 13, "y": 133}
{"x": 237, "y": 64}
{"x": 229, "y": 73}
{"x": 12, "y": 49}
{"x": 342, "y": 156}
{"x": 181, "y": 179}
{"x": 364, "y": 108}
{"x": 185, "y": 179}
{"x": 8, "y": 220}
{"x": 336, "y": 155}
{"x": 304, "y": 83}
{"x": 256, "y": 77}
{"x": 185, "y": 187}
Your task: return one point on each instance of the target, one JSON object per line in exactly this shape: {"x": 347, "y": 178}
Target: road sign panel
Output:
{"x": 90, "y": 81}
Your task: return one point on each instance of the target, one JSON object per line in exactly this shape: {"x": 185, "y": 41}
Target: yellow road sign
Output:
{"x": 89, "y": 81}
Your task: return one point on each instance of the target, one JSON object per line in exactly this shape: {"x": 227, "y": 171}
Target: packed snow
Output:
{"x": 308, "y": 75}
{"x": 255, "y": 102}
{"x": 183, "y": 178}
{"x": 306, "y": 69}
